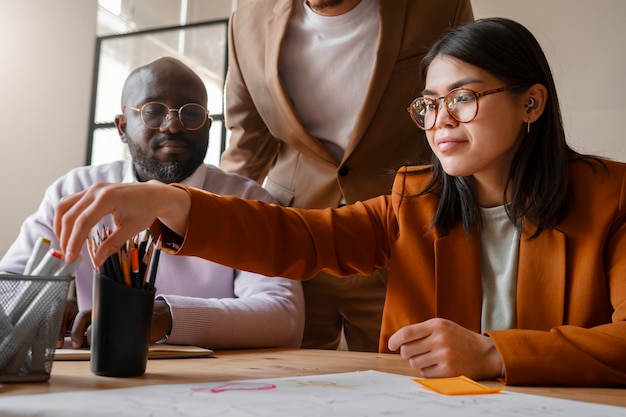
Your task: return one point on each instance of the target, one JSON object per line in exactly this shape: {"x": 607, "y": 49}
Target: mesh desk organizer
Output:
{"x": 31, "y": 313}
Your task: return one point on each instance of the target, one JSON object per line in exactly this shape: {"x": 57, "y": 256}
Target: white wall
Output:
{"x": 585, "y": 42}
{"x": 47, "y": 50}
{"x": 47, "y": 56}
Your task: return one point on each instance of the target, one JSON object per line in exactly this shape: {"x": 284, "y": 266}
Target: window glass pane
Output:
{"x": 112, "y": 74}
{"x": 107, "y": 147}
{"x": 123, "y": 16}
{"x": 215, "y": 142}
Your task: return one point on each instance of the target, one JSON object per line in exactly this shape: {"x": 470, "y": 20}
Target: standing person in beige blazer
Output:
{"x": 316, "y": 98}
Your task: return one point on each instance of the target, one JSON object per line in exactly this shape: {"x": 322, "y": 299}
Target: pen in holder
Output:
{"x": 123, "y": 301}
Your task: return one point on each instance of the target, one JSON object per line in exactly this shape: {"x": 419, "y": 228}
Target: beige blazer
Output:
{"x": 268, "y": 139}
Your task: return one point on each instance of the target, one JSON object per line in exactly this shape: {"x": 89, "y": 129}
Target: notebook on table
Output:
{"x": 156, "y": 351}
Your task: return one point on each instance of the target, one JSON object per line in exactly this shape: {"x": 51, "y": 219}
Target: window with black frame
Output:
{"x": 202, "y": 46}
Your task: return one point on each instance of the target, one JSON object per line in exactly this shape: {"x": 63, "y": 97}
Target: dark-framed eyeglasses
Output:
{"x": 461, "y": 104}
{"x": 192, "y": 116}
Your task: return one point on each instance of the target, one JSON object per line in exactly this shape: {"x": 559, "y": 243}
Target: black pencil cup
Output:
{"x": 120, "y": 328}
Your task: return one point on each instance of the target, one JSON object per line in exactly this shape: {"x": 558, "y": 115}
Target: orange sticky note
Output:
{"x": 460, "y": 385}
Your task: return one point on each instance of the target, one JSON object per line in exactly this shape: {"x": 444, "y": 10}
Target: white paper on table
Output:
{"x": 364, "y": 393}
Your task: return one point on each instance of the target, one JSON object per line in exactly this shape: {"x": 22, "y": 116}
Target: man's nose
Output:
{"x": 172, "y": 122}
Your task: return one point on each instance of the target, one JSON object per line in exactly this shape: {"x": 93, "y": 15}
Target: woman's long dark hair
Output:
{"x": 537, "y": 181}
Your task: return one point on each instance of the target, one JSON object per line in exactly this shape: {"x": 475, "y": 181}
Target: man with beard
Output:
{"x": 166, "y": 125}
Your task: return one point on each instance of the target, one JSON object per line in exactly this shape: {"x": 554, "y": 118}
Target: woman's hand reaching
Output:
{"x": 133, "y": 207}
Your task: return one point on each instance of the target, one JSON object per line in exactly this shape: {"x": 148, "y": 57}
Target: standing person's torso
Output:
{"x": 325, "y": 65}
{"x": 304, "y": 173}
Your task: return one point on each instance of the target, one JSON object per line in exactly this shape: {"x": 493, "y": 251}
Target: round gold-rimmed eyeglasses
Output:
{"x": 461, "y": 104}
{"x": 192, "y": 116}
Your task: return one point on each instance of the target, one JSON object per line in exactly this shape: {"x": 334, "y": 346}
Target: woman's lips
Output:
{"x": 448, "y": 144}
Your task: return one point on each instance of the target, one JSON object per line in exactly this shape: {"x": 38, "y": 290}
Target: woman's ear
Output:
{"x": 536, "y": 98}
{"x": 120, "y": 123}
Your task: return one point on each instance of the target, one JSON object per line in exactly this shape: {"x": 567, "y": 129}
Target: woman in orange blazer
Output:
{"x": 506, "y": 256}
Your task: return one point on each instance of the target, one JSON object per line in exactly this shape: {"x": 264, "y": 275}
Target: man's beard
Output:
{"x": 149, "y": 167}
{"x": 328, "y": 4}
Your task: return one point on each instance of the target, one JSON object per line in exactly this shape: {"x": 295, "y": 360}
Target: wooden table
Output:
{"x": 70, "y": 376}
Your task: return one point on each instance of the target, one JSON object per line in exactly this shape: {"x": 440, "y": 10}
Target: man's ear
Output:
{"x": 536, "y": 99}
{"x": 120, "y": 123}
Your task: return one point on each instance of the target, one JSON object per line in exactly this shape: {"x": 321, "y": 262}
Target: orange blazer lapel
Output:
{"x": 541, "y": 280}
{"x": 391, "y": 31}
{"x": 458, "y": 276}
